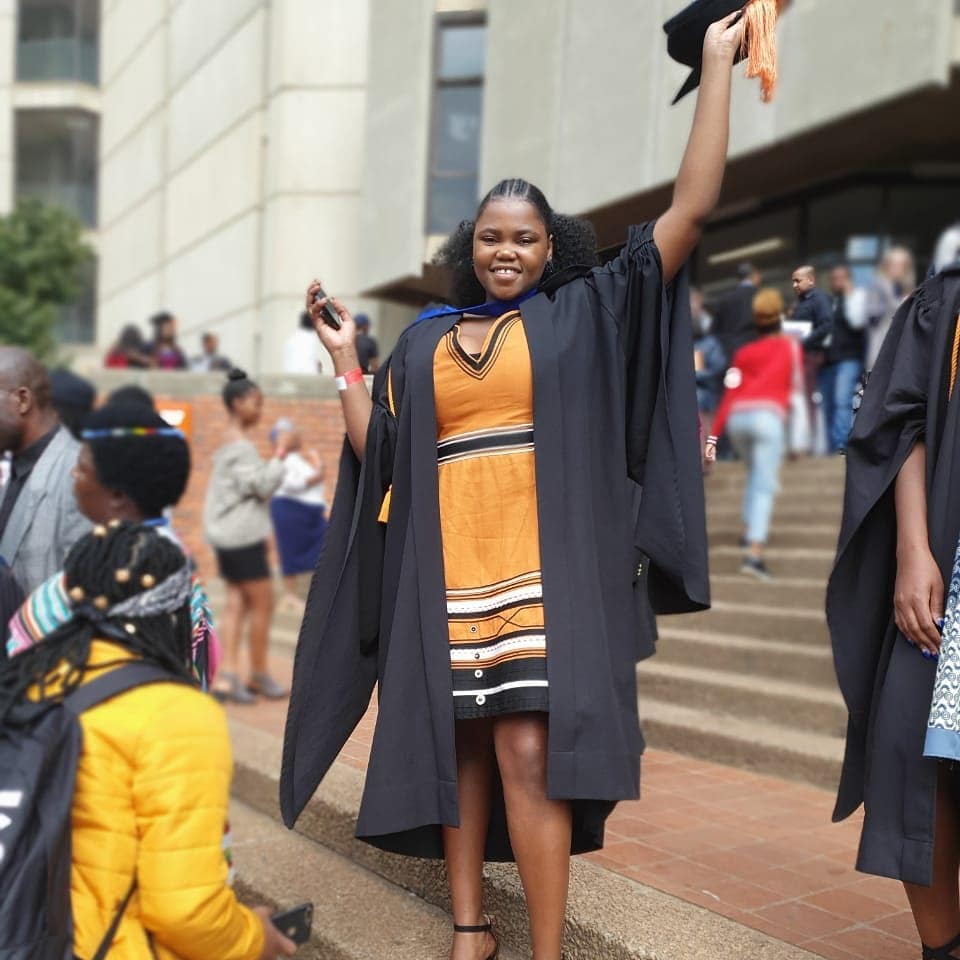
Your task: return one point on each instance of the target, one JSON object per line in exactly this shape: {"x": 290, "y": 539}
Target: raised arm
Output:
{"x": 341, "y": 345}
{"x": 697, "y": 189}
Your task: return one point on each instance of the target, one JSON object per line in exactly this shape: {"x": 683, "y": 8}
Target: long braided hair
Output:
{"x": 574, "y": 241}
{"x": 105, "y": 568}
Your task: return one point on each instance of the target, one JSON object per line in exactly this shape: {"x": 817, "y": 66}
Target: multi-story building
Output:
{"x": 243, "y": 147}
{"x": 50, "y": 119}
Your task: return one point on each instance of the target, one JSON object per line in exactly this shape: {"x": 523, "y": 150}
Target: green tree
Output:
{"x": 42, "y": 261}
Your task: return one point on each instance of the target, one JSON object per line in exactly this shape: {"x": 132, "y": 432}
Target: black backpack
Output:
{"x": 39, "y": 751}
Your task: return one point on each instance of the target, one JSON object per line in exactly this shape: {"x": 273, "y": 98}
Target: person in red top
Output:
{"x": 754, "y": 413}
{"x": 129, "y": 350}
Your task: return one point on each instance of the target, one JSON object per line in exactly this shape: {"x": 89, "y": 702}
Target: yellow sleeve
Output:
{"x": 181, "y": 791}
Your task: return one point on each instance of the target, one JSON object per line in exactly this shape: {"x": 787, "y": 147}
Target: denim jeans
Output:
{"x": 837, "y": 383}
{"x": 759, "y": 437}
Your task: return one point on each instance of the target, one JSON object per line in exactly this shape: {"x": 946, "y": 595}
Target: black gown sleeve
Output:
{"x": 655, "y": 333}
{"x": 335, "y": 668}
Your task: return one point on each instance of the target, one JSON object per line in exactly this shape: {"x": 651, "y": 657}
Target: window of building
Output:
{"x": 56, "y": 159}
{"x": 76, "y": 321}
{"x": 770, "y": 241}
{"x": 457, "y": 120}
{"x": 58, "y": 41}
{"x": 854, "y": 221}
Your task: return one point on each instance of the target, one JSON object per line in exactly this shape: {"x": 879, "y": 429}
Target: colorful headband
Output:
{"x": 108, "y": 432}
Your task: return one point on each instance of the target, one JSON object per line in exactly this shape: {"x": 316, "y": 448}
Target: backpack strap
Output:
{"x": 107, "y": 942}
{"x": 137, "y": 673}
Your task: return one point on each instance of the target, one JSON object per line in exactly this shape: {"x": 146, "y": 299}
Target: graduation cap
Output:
{"x": 687, "y": 30}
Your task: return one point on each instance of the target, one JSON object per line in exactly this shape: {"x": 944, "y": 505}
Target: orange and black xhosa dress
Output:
{"x": 488, "y": 523}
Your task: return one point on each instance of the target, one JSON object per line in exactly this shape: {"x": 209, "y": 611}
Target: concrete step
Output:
{"x": 790, "y": 485}
{"x": 609, "y": 916}
{"x": 802, "y": 466}
{"x": 806, "y": 563}
{"x": 816, "y": 506}
{"x": 799, "y": 706}
{"x": 800, "y": 626}
{"x": 822, "y": 536}
{"x": 792, "y": 592}
{"x": 748, "y": 656}
{"x": 357, "y": 915}
{"x": 725, "y": 738}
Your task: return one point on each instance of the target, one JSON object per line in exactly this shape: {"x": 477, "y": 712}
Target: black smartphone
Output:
{"x": 330, "y": 316}
{"x": 295, "y": 924}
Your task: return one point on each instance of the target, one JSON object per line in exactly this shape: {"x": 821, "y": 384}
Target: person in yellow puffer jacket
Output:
{"x": 153, "y": 777}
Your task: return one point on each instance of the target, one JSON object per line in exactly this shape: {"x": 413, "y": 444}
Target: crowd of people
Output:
{"x": 774, "y": 379}
{"x": 94, "y": 579}
{"x": 131, "y": 350}
{"x": 302, "y": 353}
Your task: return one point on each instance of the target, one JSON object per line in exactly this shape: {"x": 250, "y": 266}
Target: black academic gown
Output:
{"x": 888, "y": 685}
{"x": 614, "y": 407}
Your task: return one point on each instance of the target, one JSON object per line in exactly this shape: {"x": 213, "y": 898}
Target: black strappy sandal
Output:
{"x": 488, "y": 928}
{"x": 942, "y": 953}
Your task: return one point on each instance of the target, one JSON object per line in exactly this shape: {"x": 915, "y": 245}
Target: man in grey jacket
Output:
{"x": 39, "y": 519}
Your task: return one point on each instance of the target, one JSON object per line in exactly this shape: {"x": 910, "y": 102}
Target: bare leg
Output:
{"x": 936, "y": 909}
{"x": 290, "y": 589}
{"x": 540, "y": 828}
{"x": 230, "y": 628}
{"x": 259, "y": 597}
{"x": 463, "y": 845}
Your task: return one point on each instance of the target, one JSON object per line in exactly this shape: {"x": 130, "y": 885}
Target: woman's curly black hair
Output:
{"x": 574, "y": 241}
{"x": 152, "y": 470}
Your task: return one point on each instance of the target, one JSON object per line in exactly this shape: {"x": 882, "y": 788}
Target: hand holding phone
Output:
{"x": 330, "y": 316}
{"x": 295, "y": 924}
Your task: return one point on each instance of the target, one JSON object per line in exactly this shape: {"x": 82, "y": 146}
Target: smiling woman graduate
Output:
{"x": 484, "y": 560}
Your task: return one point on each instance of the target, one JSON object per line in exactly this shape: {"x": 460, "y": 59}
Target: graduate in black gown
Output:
{"x": 614, "y": 411}
{"x": 886, "y": 603}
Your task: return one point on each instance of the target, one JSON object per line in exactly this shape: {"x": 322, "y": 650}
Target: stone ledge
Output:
{"x": 357, "y": 915}
{"x": 609, "y": 916}
{"x": 184, "y": 385}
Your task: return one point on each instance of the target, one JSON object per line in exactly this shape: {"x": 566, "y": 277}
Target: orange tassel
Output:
{"x": 760, "y": 43}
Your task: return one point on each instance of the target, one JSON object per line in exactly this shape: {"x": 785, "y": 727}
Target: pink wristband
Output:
{"x": 351, "y": 376}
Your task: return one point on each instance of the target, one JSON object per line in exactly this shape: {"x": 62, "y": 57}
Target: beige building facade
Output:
{"x": 860, "y": 148}
{"x": 230, "y": 164}
{"x": 242, "y": 147}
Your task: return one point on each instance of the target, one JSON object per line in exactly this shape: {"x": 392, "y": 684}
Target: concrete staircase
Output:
{"x": 751, "y": 681}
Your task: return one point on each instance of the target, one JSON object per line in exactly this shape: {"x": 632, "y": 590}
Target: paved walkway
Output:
{"x": 756, "y": 849}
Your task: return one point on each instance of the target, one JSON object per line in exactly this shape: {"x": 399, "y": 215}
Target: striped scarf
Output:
{"x": 48, "y": 608}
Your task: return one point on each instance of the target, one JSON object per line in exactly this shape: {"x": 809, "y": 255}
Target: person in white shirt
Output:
{"x": 298, "y": 509}
{"x": 303, "y": 353}
{"x": 895, "y": 280}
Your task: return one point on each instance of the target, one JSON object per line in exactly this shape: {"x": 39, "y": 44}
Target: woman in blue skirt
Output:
{"x": 299, "y": 511}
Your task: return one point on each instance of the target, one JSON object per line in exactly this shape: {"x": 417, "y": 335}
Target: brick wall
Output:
{"x": 310, "y": 404}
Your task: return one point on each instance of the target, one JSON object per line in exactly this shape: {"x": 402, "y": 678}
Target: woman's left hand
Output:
{"x": 724, "y": 40}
